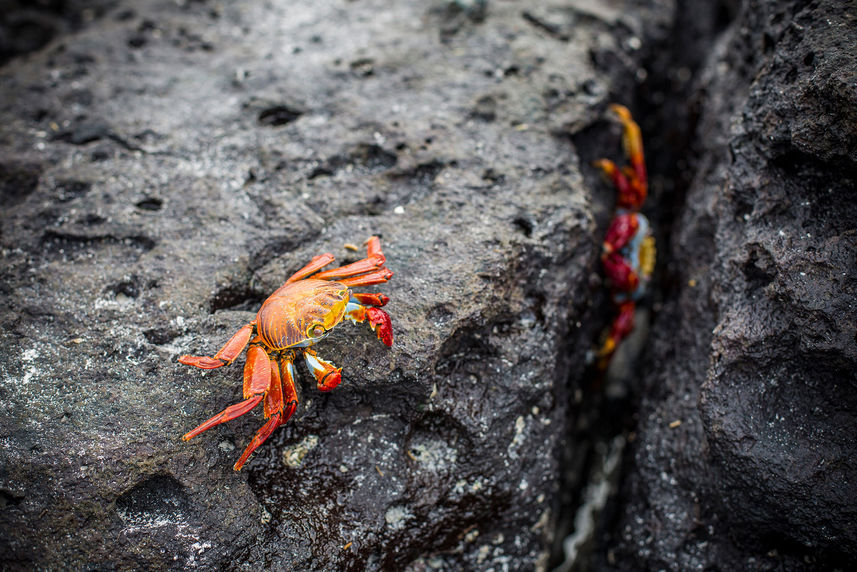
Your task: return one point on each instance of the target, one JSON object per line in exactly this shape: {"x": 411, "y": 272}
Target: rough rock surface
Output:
{"x": 755, "y": 351}
{"x": 166, "y": 164}
{"x": 169, "y": 164}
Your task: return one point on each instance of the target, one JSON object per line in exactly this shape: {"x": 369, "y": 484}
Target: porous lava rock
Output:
{"x": 168, "y": 164}
{"x": 745, "y": 456}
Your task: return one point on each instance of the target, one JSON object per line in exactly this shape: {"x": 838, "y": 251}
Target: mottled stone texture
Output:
{"x": 167, "y": 165}
{"x": 755, "y": 351}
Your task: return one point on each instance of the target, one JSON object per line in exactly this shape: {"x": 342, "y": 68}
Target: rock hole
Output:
{"x": 278, "y": 115}
{"x": 91, "y": 219}
{"x": 485, "y": 109}
{"x": 241, "y": 298}
{"x": 85, "y": 131}
{"x": 439, "y": 315}
{"x": 372, "y": 157}
{"x": 150, "y": 204}
{"x": 158, "y": 498}
{"x": 524, "y": 225}
{"x": 25, "y": 32}
{"x": 8, "y": 498}
{"x": 129, "y": 287}
{"x": 757, "y": 269}
{"x": 72, "y": 189}
{"x": 160, "y": 336}
{"x": 320, "y": 171}
{"x": 136, "y": 41}
{"x": 493, "y": 176}
{"x": 363, "y": 67}
{"x": 423, "y": 174}
{"x": 18, "y": 181}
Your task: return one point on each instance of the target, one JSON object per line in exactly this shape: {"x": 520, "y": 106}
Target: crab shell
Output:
{"x": 299, "y": 314}
{"x": 639, "y": 254}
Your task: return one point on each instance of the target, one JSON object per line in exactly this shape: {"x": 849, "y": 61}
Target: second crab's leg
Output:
{"x": 227, "y": 354}
{"x": 378, "y": 319}
{"x": 621, "y": 230}
{"x": 631, "y": 182}
{"x": 257, "y": 381}
{"x": 632, "y": 142}
{"x": 622, "y": 326}
{"x": 281, "y": 401}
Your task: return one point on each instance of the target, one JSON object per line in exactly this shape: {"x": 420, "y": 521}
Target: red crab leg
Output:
{"x": 620, "y": 273}
{"x": 620, "y": 231}
{"x": 257, "y": 380}
{"x": 317, "y": 263}
{"x": 227, "y": 354}
{"x": 622, "y": 326}
{"x": 632, "y": 142}
{"x": 612, "y": 172}
{"x": 371, "y": 299}
{"x": 327, "y": 375}
{"x": 378, "y": 277}
{"x": 374, "y": 260}
{"x": 379, "y": 320}
{"x": 280, "y": 402}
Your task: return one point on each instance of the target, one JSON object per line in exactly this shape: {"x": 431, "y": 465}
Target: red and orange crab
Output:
{"x": 628, "y": 253}
{"x": 296, "y": 316}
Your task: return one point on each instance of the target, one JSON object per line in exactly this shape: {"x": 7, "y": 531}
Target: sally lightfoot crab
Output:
{"x": 296, "y": 316}
{"x": 628, "y": 251}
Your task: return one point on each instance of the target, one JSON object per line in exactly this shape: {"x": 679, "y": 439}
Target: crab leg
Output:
{"x": 227, "y": 354}
{"x": 280, "y": 403}
{"x": 631, "y": 181}
{"x": 621, "y": 230}
{"x": 616, "y": 176}
{"x": 374, "y": 260}
{"x": 257, "y": 380}
{"x": 622, "y": 326}
{"x": 317, "y": 263}
{"x": 327, "y": 375}
{"x": 378, "y": 277}
{"x": 632, "y": 142}
{"x": 620, "y": 273}
{"x": 379, "y": 320}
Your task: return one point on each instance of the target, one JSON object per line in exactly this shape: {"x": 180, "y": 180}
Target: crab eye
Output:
{"x": 316, "y": 331}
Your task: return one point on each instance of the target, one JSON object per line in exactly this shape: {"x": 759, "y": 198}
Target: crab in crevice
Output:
{"x": 299, "y": 314}
{"x": 628, "y": 250}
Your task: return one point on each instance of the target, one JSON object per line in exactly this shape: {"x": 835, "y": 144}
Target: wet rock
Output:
{"x": 745, "y": 457}
{"x": 152, "y": 208}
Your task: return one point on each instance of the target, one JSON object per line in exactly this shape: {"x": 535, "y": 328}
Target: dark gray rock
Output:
{"x": 167, "y": 168}
{"x": 755, "y": 353}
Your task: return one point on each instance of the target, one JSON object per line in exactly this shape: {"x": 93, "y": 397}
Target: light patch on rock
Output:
{"x": 293, "y": 456}
{"x": 434, "y": 455}
{"x": 518, "y": 439}
{"x": 397, "y": 516}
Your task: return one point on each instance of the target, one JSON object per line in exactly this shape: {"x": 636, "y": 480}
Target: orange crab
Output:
{"x": 297, "y": 315}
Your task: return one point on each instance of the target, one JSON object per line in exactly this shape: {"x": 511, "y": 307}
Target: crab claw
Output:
{"x": 371, "y": 299}
{"x": 327, "y": 376}
{"x": 381, "y": 324}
